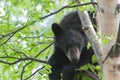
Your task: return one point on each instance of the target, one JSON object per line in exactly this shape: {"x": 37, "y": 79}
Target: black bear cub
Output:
{"x": 70, "y": 51}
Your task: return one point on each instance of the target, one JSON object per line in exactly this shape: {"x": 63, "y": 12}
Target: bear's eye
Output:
{"x": 78, "y": 45}
{"x": 68, "y": 46}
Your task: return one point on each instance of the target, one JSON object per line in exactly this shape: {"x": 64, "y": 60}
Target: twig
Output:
{"x": 11, "y": 35}
{"x": 19, "y": 52}
{"x": 31, "y": 60}
{"x": 89, "y": 74}
{"x": 14, "y": 32}
{"x": 26, "y": 58}
{"x": 23, "y": 59}
{"x": 34, "y": 73}
{"x": 38, "y": 37}
{"x": 8, "y": 57}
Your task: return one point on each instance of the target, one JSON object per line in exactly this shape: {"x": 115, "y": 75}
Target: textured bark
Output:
{"x": 108, "y": 25}
{"x": 91, "y": 35}
{"x": 109, "y": 21}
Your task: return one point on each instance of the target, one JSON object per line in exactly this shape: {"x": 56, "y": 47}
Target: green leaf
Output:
{"x": 88, "y": 45}
{"x": 98, "y": 68}
{"x": 104, "y": 41}
{"x": 94, "y": 59}
{"x": 87, "y": 66}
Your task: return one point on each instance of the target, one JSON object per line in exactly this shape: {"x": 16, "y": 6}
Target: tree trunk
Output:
{"x": 109, "y": 22}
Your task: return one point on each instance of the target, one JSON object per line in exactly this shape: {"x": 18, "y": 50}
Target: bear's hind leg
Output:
{"x": 55, "y": 75}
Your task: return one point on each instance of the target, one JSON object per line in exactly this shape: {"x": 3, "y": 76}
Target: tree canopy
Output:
{"x": 26, "y": 39}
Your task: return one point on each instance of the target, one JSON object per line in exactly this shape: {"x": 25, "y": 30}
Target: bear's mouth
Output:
{"x": 73, "y": 54}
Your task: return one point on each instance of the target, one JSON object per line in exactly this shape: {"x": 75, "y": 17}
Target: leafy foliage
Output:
{"x": 26, "y": 38}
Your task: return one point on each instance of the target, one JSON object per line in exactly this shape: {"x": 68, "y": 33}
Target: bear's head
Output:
{"x": 71, "y": 41}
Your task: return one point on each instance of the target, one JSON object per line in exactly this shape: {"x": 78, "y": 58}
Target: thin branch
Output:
{"x": 26, "y": 58}
{"x": 118, "y": 44}
{"x": 67, "y": 6}
{"x": 93, "y": 76}
{"x": 21, "y": 76}
{"x": 34, "y": 59}
{"x": 14, "y": 32}
{"x": 37, "y": 37}
{"x": 31, "y": 60}
{"x": 5, "y": 57}
{"x": 5, "y": 50}
{"x": 19, "y": 52}
{"x": 11, "y": 35}
{"x": 9, "y": 63}
{"x": 34, "y": 73}
{"x": 44, "y": 50}
{"x": 23, "y": 59}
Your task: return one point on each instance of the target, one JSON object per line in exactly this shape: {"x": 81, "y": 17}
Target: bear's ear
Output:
{"x": 57, "y": 30}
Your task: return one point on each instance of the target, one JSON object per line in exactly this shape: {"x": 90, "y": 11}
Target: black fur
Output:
{"x": 69, "y": 35}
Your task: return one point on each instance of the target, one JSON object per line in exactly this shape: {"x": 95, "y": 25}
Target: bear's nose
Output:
{"x": 74, "y": 60}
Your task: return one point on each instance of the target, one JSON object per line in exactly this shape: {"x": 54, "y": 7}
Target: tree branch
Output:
{"x": 22, "y": 59}
{"x": 93, "y": 76}
{"x": 34, "y": 73}
{"x": 91, "y": 35}
{"x": 31, "y": 60}
{"x": 10, "y": 36}
{"x": 14, "y": 32}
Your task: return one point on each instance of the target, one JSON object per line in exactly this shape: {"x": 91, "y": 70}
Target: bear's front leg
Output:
{"x": 57, "y": 64}
{"x": 68, "y": 72}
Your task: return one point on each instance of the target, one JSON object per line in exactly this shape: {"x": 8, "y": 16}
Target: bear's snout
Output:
{"x": 73, "y": 54}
